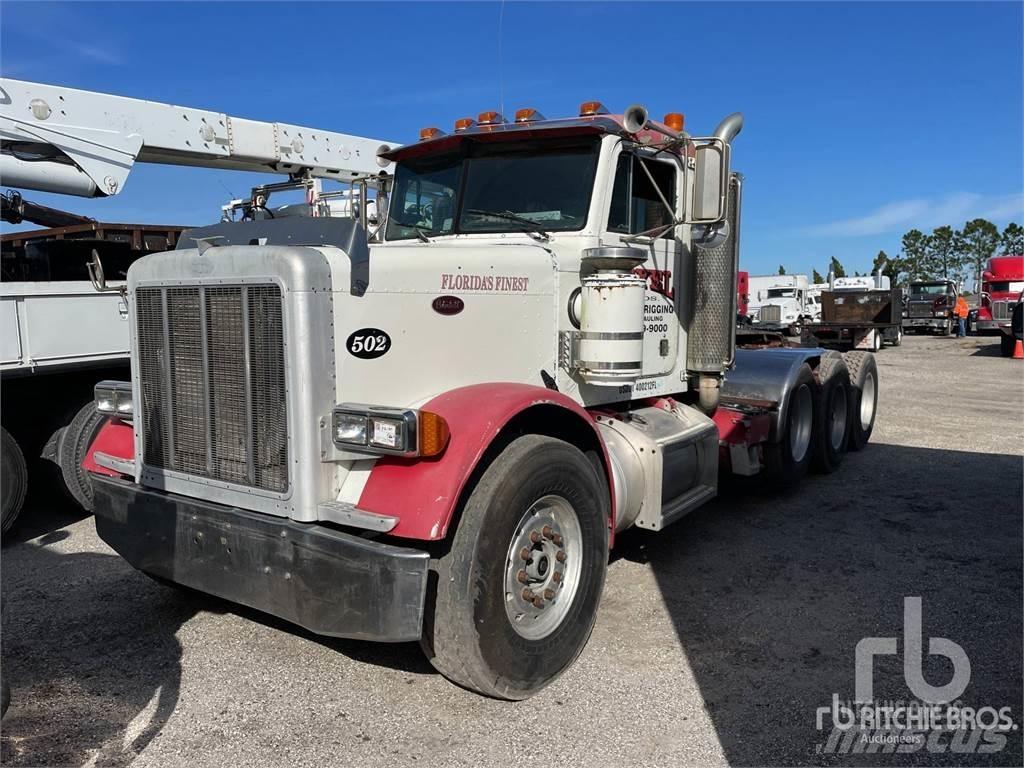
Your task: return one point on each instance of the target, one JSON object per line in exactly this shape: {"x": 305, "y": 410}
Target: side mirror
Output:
{"x": 711, "y": 177}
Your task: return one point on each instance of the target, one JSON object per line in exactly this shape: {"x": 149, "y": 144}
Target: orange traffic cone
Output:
{"x": 1018, "y": 350}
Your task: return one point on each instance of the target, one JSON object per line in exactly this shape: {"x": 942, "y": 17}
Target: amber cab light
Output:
{"x": 463, "y": 123}
{"x": 430, "y": 133}
{"x": 433, "y": 433}
{"x": 675, "y": 121}
{"x": 490, "y": 118}
{"x": 528, "y": 115}
{"x": 588, "y": 108}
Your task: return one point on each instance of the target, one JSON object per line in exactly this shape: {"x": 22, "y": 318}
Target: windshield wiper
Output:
{"x": 422, "y": 235}
{"x": 509, "y": 216}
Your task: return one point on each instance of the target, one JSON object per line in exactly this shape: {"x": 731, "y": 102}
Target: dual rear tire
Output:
{"x": 818, "y": 422}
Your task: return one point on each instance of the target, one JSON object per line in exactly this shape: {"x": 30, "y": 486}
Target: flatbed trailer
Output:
{"x": 854, "y": 318}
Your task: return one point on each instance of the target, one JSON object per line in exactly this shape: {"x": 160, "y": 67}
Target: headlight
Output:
{"x": 114, "y": 398}
{"x": 392, "y": 431}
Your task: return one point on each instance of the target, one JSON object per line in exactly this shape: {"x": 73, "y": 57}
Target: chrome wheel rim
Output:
{"x": 801, "y": 418}
{"x": 837, "y": 418}
{"x": 867, "y": 402}
{"x": 543, "y": 566}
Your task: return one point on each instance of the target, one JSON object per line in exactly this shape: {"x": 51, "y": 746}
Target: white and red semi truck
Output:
{"x": 1001, "y": 284}
{"x": 437, "y": 432}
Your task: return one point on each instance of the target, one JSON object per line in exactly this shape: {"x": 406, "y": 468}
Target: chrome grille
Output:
{"x": 1001, "y": 310}
{"x": 921, "y": 309}
{"x": 211, "y": 369}
{"x": 770, "y": 313}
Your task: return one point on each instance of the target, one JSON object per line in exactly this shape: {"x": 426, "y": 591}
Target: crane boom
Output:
{"x": 56, "y": 139}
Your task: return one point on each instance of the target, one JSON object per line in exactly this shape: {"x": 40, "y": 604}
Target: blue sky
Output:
{"x": 862, "y": 120}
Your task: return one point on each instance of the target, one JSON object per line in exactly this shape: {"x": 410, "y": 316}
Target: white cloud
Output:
{"x": 924, "y": 213}
{"x": 101, "y": 55}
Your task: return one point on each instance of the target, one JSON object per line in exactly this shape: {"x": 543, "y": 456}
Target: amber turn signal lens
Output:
{"x": 490, "y": 118}
{"x": 433, "y": 433}
{"x": 675, "y": 121}
{"x": 528, "y": 115}
{"x": 588, "y": 108}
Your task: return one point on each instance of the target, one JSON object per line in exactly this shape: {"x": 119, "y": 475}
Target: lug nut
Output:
{"x": 560, "y": 556}
{"x": 524, "y": 553}
{"x": 548, "y": 532}
{"x": 556, "y": 576}
{"x": 522, "y": 577}
{"x": 538, "y": 602}
{"x": 557, "y": 538}
{"x": 549, "y": 594}
{"x": 528, "y": 595}
{"x": 535, "y": 537}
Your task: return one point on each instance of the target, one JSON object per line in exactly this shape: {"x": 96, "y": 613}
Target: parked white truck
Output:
{"x": 783, "y": 302}
{"x": 437, "y": 434}
{"x": 59, "y": 337}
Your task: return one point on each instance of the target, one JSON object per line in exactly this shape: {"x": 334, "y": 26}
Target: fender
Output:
{"x": 115, "y": 438}
{"x": 423, "y": 493}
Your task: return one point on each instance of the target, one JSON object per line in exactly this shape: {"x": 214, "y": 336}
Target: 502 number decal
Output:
{"x": 368, "y": 343}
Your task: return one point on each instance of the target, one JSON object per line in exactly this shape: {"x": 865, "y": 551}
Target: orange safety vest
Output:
{"x": 962, "y": 310}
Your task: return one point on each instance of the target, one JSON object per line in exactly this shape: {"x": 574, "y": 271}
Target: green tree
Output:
{"x": 891, "y": 267}
{"x": 837, "y": 268}
{"x": 782, "y": 270}
{"x": 914, "y": 247}
{"x": 980, "y": 238}
{"x": 816, "y": 276}
{"x": 1012, "y": 239}
{"x": 944, "y": 253}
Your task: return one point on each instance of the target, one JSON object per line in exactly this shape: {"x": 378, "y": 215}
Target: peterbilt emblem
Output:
{"x": 448, "y": 305}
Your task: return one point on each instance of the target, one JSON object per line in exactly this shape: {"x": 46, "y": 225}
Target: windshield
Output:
{"x": 495, "y": 188}
{"x": 1006, "y": 286}
{"x": 937, "y": 289}
{"x": 781, "y": 293}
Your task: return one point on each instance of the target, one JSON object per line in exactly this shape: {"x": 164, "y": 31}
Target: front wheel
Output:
{"x": 74, "y": 444}
{"x": 518, "y": 591}
{"x": 1006, "y": 345}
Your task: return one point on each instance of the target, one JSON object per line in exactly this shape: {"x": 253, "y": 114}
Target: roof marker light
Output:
{"x": 589, "y": 108}
{"x": 675, "y": 121}
{"x": 490, "y": 118}
{"x": 528, "y": 115}
{"x": 463, "y": 123}
{"x": 431, "y": 133}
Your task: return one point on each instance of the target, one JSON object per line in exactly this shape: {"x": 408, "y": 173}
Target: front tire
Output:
{"x": 832, "y": 434}
{"x": 1006, "y": 345}
{"x": 517, "y": 593}
{"x": 863, "y": 397}
{"x": 74, "y": 444}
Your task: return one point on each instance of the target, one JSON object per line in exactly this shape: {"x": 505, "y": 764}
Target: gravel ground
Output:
{"x": 716, "y": 640}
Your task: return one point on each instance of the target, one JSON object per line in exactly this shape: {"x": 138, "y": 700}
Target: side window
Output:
{"x": 636, "y": 205}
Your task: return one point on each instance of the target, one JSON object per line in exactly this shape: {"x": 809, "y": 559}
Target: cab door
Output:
{"x": 643, "y": 185}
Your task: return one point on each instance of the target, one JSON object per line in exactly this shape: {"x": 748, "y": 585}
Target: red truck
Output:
{"x": 1001, "y": 284}
{"x": 743, "y": 296}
